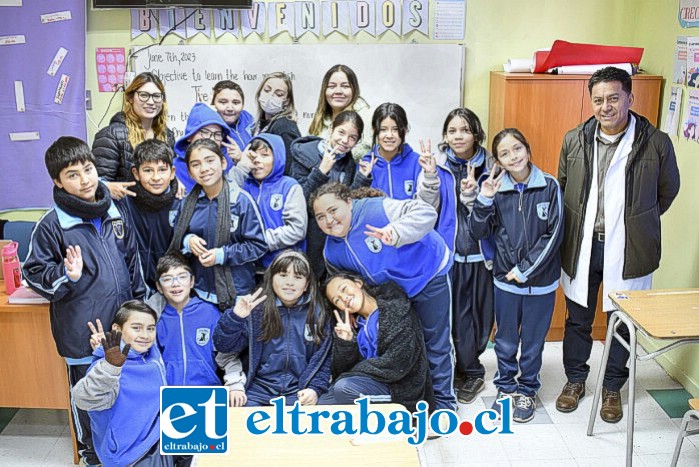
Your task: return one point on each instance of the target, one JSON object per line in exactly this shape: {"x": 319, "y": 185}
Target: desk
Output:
{"x": 657, "y": 314}
{"x": 308, "y": 450}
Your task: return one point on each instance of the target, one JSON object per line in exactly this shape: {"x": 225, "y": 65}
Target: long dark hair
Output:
{"x": 516, "y": 134}
{"x": 315, "y": 315}
{"x": 323, "y": 109}
{"x": 474, "y": 124}
{"x": 396, "y": 113}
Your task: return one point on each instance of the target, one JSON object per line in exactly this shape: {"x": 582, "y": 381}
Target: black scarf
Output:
{"x": 223, "y": 280}
{"x": 83, "y": 209}
{"x": 150, "y": 202}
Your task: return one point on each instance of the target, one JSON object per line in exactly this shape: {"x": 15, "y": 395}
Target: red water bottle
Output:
{"x": 10, "y": 267}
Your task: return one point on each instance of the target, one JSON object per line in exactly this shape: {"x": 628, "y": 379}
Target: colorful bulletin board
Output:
{"x": 42, "y": 92}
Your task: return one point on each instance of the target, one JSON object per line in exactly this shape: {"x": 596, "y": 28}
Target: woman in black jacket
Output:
{"x": 378, "y": 347}
{"x": 143, "y": 116}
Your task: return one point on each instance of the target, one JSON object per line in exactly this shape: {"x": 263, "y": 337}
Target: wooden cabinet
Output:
{"x": 544, "y": 107}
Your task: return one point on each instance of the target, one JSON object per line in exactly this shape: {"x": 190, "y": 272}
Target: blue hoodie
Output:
{"x": 200, "y": 116}
{"x": 241, "y": 130}
{"x": 272, "y": 194}
{"x": 185, "y": 342}
{"x": 398, "y": 178}
{"x": 123, "y": 433}
{"x": 411, "y": 266}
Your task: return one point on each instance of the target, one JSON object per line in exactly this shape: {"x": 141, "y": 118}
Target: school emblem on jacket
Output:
{"x": 171, "y": 217}
{"x": 234, "y": 223}
{"x": 276, "y": 201}
{"x": 542, "y": 210}
{"x": 203, "y": 335}
{"x": 408, "y": 186}
{"x": 307, "y": 333}
{"x": 118, "y": 228}
{"x": 374, "y": 244}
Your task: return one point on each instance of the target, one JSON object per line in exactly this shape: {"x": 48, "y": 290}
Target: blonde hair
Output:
{"x": 133, "y": 123}
{"x": 323, "y": 110}
{"x": 289, "y": 109}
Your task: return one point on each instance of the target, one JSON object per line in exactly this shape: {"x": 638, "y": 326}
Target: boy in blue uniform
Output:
{"x": 83, "y": 258}
{"x": 153, "y": 210}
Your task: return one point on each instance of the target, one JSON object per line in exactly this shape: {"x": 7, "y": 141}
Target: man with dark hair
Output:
{"x": 618, "y": 174}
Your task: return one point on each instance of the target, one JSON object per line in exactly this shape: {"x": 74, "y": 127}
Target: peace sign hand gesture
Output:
{"x": 387, "y": 234}
{"x": 97, "y": 333}
{"x": 343, "y": 328}
{"x": 247, "y": 303}
{"x": 469, "y": 184}
{"x": 234, "y": 151}
{"x": 365, "y": 167}
{"x": 491, "y": 185}
{"x": 328, "y": 161}
{"x": 427, "y": 160}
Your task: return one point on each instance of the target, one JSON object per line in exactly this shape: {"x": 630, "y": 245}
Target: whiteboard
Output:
{"x": 426, "y": 79}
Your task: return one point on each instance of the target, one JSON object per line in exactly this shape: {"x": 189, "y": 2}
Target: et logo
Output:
{"x": 193, "y": 420}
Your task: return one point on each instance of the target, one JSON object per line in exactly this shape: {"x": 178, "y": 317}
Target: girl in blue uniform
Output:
{"x": 462, "y": 153}
{"x": 284, "y": 328}
{"x": 220, "y": 225}
{"x": 121, "y": 391}
{"x": 317, "y": 161}
{"x": 383, "y": 239}
{"x": 228, "y": 100}
{"x": 521, "y": 207}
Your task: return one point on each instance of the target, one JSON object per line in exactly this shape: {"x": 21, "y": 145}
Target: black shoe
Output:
{"x": 470, "y": 389}
{"x": 459, "y": 379}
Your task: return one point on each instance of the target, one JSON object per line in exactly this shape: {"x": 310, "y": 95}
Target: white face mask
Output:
{"x": 271, "y": 104}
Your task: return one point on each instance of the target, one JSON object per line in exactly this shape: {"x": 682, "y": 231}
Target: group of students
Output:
{"x": 390, "y": 291}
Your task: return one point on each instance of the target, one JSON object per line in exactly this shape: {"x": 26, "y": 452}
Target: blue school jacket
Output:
{"x": 526, "y": 222}
{"x": 123, "y": 433}
{"x": 185, "y": 342}
{"x": 271, "y": 193}
{"x": 285, "y": 364}
{"x": 200, "y": 116}
{"x": 247, "y": 243}
{"x": 241, "y": 130}
{"x": 411, "y": 266}
{"x": 398, "y": 178}
{"x": 153, "y": 233}
{"x": 111, "y": 274}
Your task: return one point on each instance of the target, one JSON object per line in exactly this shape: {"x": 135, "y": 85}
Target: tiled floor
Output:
{"x": 42, "y": 437}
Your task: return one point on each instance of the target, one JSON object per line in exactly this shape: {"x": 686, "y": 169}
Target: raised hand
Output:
{"x": 307, "y": 396}
{"x": 111, "y": 342}
{"x": 73, "y": 263}
{"x": 118, "y": 190}
{"x": 469, "y": 184}
{"x": 386, "y": 234}
{"x": 233, "y": 149}
{"x": 343, "y": 329}
{"x": 491, "y": 185}
{"x": 247, "y": 160}
{"x": 197, "y": 246}
{"x": 328, "y": 160}
{"x": 365, "y": 167}
{"x": 97, "y": 333}
{"x": 427, "y": 160}
{"x": 247, "y": 303}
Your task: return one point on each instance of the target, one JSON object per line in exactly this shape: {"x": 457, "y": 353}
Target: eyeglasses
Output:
{"x": 217, "y": 135}
{"x": 169, "y": 281}
{"x": 145, "y": 96}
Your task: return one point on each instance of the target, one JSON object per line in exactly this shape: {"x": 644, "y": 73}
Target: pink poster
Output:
{"x": 111, "y": 65}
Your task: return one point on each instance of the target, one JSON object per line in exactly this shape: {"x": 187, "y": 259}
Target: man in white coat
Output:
{"x": 618, "y": 174}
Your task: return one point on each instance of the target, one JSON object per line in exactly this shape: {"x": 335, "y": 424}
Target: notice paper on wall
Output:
{"x": 10, "y": 2}
{"x": 672, "y": 119}
{"x": 56, "y": 62}
{"x": 61, "y": 89}
{"x": 111, "y": 65}
{"x": 19, "y": 97}
{"x": 24, "y": 136}
{"x": 679, "y": 75}
{"x": 449, "y": 20}
{"x": 58, "y": 16}
{"x": 693, "y": 61}
{"x": 690, "y": 127}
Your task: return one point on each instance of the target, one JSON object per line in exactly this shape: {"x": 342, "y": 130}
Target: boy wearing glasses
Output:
{"x": 184, "y": 332}
{"x": 152, "y": 211}
{"x": 202, "y": 122}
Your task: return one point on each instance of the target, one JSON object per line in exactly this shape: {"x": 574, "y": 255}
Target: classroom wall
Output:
{"x": 495, "y": 31}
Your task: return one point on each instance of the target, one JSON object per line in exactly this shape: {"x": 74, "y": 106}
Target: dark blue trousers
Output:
{"x": 577, "y": 340}
{"x": 472, "y": 315}
{"x": 347, "y": 389}
{"x": 259, "y": 395}
{"x": 525, "y": 320}
{"x": 433, "y": 308}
